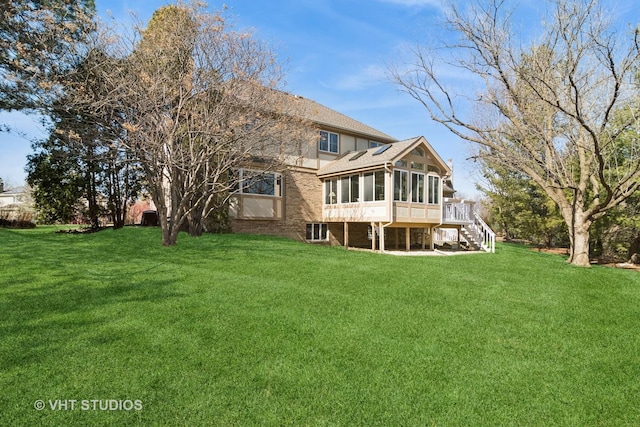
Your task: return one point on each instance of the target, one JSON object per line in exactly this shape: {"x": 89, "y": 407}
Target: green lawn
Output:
{"x": 244, "y": 330}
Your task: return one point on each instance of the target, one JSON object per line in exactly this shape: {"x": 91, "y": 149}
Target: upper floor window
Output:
{"x": 329, "y": 142}
{"x": 401, "y": 163}
{"x": 373, "y": 144}
{"x": 418, "y": 152}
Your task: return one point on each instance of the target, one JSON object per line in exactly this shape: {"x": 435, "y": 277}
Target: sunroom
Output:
{"x": 395, "y": 186}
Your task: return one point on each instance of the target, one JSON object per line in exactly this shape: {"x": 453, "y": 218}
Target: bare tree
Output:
{"x": 39, "y": 43}
{"x": 546, "y": 107}
{"x": 197, "y": 100}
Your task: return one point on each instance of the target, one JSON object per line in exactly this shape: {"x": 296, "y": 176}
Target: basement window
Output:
{"x": 317, "y": 232}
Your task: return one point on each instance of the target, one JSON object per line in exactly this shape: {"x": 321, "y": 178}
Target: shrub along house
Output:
{"x": 358, "y": 187}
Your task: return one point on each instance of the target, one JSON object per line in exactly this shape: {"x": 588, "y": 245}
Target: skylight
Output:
{"x": 358, "y": 155}
{"x": 382, "y": 149}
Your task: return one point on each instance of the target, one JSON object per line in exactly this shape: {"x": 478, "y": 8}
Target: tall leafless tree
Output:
{"x": 197, "y": 100}
{"x": 546, "y": 106}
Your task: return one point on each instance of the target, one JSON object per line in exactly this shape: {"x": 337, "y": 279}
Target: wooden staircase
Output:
{"x": 473, "y": 230}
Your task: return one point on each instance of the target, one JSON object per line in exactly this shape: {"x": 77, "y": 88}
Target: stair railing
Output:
{"x": 482, "y": 233}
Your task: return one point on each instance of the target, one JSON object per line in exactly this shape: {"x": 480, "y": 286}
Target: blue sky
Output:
{"x": 335, "y": 52}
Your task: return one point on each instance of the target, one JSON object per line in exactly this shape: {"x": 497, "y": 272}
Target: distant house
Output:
{"x": 13, "y": 198}
{"x": 359, "y": 187}
{"x": 16, "y": 207}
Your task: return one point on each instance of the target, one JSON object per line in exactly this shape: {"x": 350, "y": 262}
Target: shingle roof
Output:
{"x": 325, "y": 116}
{"x": 319, "y": 114}
{"x": 16, "y": 190}
{"x": 368, "y": 158}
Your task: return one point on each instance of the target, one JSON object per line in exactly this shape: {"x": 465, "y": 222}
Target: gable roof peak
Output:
{"x": 375, "y": 157}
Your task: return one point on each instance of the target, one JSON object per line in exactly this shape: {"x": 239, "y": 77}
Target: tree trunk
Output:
{"x": 169, "y": 236}
{"x": 579, "y": 253}
{"x": 195, "y": 222}
{"x": 196, "y": 228}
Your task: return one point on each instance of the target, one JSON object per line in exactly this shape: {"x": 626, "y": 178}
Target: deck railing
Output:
{"x": 482, "y": 233}
{"x": 457, "y": 211}
{"x": 461, "y": 212}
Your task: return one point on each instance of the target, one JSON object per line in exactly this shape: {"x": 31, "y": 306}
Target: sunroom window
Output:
{"x": 331, "y": 191}
{"x": 350, "y": 189}
{"x": 374, "y": 186}
{"x": 400, "y": 185}
{"x": 433, "y": 196}
{"x": 417, "y": 187}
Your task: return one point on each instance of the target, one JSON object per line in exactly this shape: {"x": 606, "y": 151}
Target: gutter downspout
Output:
{"x": 433, "y": 227}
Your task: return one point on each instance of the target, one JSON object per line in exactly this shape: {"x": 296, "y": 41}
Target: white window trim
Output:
{"x": 373, "y": 188}
{"x": 336, "y": 191}
{"x": 402, "y": 171}
{"x": 318, "y": 225}
{"x": 425, "y": 182}
{"x": 428, "y": 189}
{"x": 360, "y": 186}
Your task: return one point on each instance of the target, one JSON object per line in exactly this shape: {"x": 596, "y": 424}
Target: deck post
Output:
{"x": 408, "y": 238}
{"x": 381, "y": 237}
{"x": 459, "y": 239}
{"x": 346, "y": 235}
{"x": 432, "y": 246}
{"x": 373, "y": 236}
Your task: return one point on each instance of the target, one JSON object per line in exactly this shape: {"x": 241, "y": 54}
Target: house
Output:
{"x": 358, "y": 187}
{"x": 13, "y": 198}
{"x": 16, "y": 205}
